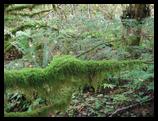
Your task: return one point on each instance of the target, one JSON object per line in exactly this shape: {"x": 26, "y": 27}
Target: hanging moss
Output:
{"x": 65, "y": 73}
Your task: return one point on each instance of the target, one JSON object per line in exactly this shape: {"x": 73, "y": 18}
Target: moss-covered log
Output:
{"x": 57, "y": 81}
{"x": 10, "y": 8}
{"x": 30, "y": 14}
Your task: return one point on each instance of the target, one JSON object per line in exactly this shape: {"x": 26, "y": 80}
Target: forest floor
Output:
{"x": 106, "y": 104}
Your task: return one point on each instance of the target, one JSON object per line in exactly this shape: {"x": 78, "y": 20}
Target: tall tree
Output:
{"x": 132, "y": 19}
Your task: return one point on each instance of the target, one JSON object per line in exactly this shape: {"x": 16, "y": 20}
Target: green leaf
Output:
{"x": 111, "y": 86}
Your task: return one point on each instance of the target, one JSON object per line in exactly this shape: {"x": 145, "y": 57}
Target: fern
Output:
{"x": 150, "y": 86}
{"x": 120, "y": 98}
{"x": 111, "y": 86}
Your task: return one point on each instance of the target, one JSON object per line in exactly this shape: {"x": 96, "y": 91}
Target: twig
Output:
{"x": 149, "y": 62}
{"x": 128, "y": 107}
{"x": 87, "y": 51}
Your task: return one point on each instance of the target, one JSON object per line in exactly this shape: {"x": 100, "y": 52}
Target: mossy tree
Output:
{"x": 132, "y": 20}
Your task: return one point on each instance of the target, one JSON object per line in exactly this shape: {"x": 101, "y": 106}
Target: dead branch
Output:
{"x": 119, "y": 110}
{"x": 30, "y": 14}
{"x": 87, "y": 51}
{"x": 149, "y": 62}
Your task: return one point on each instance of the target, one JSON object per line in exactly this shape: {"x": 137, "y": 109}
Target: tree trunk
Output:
{"x": 132, "y": 19}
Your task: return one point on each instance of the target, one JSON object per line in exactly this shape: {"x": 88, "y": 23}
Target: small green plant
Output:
{"x": 16, "y": 103}
{"x": 111, "y": 86}
{"x": 22, "y": 41}
{"x": 120, "y": 98}
{"x": 150, "y": 86}
{"x": 98, "y": 104}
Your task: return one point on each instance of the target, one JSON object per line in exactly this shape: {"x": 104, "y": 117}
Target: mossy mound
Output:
{"x": 64, "y": 74}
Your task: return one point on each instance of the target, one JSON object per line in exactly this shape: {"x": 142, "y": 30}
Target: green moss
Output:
{"x": 57, "y": 81}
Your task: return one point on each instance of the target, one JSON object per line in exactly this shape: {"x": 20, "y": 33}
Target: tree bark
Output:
{"x": 132, "y": 19}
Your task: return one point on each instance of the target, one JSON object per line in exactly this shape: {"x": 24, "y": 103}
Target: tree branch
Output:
{"x": 15, "y": 8}
{"x": 87, "y": 51}
{"x": 29, "y": 25}
{"x": 119, "y": 110}
{"x": 30, "y": 14}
